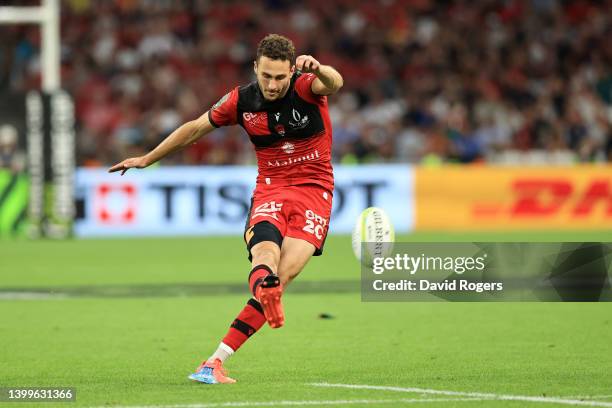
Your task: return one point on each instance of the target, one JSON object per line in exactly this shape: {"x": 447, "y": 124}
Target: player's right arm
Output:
{"x": 182, "y": 137}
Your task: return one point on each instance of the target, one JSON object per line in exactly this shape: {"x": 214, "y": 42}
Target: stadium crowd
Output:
{"x": 425, "y": 81}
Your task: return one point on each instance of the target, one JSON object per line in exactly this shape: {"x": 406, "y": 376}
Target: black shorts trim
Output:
{"x": 319, "y": 251}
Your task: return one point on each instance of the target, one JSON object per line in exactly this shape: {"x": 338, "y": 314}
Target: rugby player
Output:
{"x": 285, "y": 114}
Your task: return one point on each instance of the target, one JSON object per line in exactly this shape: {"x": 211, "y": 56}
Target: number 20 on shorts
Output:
{"x": 315, "y": 224}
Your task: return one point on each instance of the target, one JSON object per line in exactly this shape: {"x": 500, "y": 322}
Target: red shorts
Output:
{"x": 301, "y": 211}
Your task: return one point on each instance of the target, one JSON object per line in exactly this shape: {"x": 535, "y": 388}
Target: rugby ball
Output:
{"x": 373, "y": 235}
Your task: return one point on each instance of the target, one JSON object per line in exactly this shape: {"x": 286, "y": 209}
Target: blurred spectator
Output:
{"x": 11, "y": 157}
{"x": 425, "y": 81}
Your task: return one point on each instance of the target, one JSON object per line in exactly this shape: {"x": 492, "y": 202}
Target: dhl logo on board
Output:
{"x": 480, "y": 198}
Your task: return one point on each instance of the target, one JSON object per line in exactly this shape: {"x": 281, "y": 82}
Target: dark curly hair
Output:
{"x": 276, "y": 47}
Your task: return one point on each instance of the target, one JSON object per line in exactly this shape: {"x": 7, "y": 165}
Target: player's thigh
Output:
{"x": 265, "y": 227}
{"x": 295, "y": 254}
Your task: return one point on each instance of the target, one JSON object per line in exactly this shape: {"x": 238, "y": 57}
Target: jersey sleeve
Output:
{"x": 225, "y": 111}
{"x": 303, "y": 86}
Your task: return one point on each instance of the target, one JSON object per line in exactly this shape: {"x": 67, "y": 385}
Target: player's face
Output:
{"x": 273, "y": 77}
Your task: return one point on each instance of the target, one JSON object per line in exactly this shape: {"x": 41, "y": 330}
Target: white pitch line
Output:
{"x": 30, "y": 296}
{"x": 592, "y": 397}
{"x": 298, "y": 403}
{"x": 546, "y": 400}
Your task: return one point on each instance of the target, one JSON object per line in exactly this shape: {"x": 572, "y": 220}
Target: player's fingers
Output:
{"x": 115, "y": 168}
{"x": 124, "y": 170}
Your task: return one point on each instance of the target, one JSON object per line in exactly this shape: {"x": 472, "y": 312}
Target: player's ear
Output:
{"x": 255, "y": 67}
{"x": 292, "y": 70}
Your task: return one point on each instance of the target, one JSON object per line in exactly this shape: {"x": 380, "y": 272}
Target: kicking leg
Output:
{"x": 264, "y": 241}
{"x": 267, "y": 286}
{"x": 294, "y": 254}
{"x": 265, "y": 256}
{"x": 265, "y": 283}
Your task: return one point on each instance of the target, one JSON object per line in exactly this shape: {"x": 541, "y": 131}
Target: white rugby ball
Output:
{"x": 373, "y": 235}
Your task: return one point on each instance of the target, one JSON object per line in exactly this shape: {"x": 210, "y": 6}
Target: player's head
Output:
{"x": 274, "y": 65}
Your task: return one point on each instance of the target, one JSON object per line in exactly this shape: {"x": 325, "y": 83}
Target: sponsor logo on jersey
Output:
{"x": 315, "y": 224}
{"x": 277, "y": 116}
{"x": 293, "y": 160}
{"x": 288, "y": 147}
{"x": 255, "y": 118}
{"x": 299, "y": 121}
{"x": 268, "y": 209}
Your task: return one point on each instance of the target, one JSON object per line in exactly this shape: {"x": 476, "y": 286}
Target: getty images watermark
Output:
{"x": 489, "y": 272}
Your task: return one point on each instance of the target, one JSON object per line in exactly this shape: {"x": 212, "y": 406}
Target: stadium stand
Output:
{"x": 425, "y": 81}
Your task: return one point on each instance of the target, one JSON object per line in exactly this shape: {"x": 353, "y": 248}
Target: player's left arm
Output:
{"x": 328, "y": 80}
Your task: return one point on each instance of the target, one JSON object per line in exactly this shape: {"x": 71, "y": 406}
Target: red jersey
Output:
{"x": 292, "y": 135}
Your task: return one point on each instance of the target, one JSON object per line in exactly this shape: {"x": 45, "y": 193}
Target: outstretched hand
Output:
{"x": 132, "y": 162}
{"x": 307, "y": 63}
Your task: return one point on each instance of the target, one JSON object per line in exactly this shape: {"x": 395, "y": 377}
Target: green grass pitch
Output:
{"x": 125, "y": 321}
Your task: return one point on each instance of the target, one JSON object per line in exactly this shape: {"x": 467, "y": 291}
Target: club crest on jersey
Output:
{"x": 288, "y": 147}
{"x": 255, "y": 118}
{"x": 280, "y": 129}
{"x": 299, "y": 121}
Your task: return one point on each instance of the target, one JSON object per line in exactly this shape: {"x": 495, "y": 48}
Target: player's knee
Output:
{"x": 264, "y": 241}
